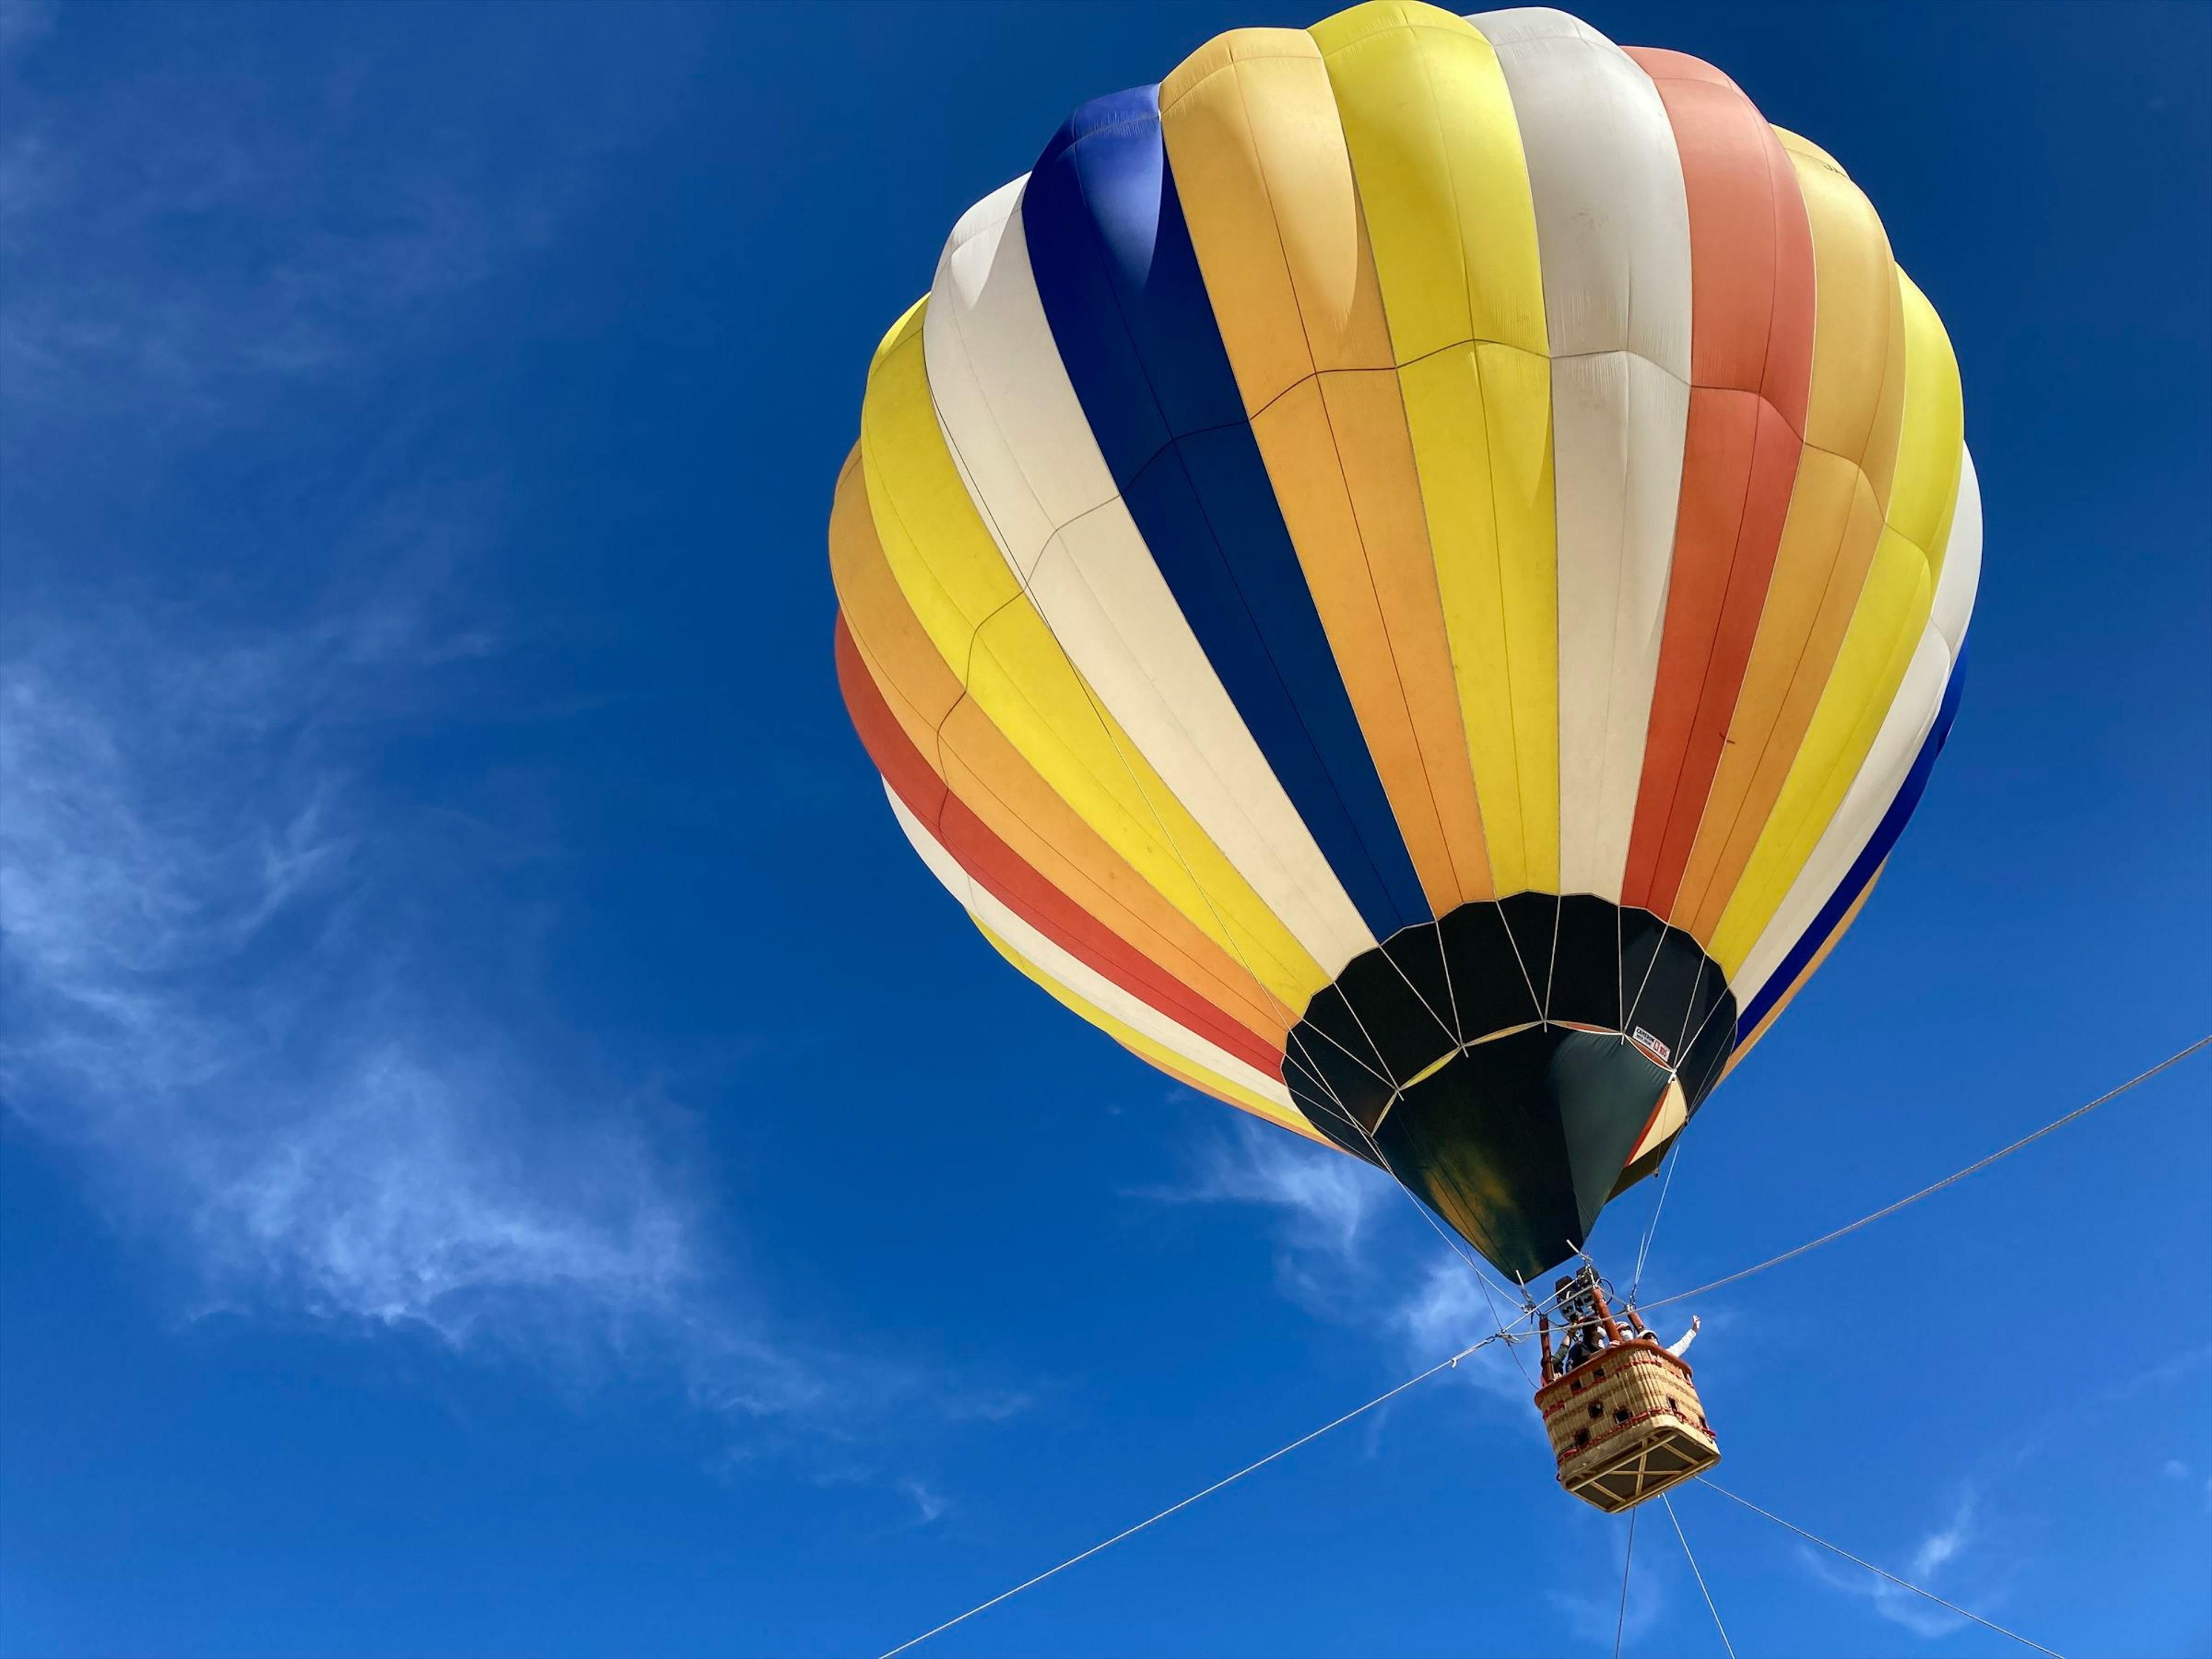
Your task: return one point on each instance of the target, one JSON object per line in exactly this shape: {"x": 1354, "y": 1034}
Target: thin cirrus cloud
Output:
{"x": 237, "y": 986}
{"x": 1351, "y": 1248}
{"x": 1939, "y": 1547}
{"x": 198, "y": 238}
{"x": 213, "y": 995}
{"x": 217, "y": 997}
{"x": 266, "y": 1002}
{"x": 1601, "y": 1617}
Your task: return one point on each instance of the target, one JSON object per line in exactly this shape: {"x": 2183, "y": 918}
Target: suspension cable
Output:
{"x": 1482, "y": 1279}
{"x": 1627, "y": 1561}
{"x": 1227, "y": 1479}
{"x": 1880, "y": 1572}
{"x": 1674, "y": 1159}
{"x": 1948, "y": 1180}
{"x": 1727, "y": 1646}
{"x": 1507, "y": 1334}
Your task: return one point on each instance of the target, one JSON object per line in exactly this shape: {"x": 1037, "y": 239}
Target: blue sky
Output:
{"x": 506, "y": 1152}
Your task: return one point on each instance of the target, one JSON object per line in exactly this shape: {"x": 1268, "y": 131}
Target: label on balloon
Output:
{"x": 1651, "y": 1046}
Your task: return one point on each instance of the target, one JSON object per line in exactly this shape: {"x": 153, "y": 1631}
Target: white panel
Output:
{"x": 1912, "y": 716}
{"x": 1962, "y": 561}
{"x": 1612, "y": 227}
{"x": 1017, "y": 435}
{"x": 1078, "y": 976}
{"x": 982, "y": 333}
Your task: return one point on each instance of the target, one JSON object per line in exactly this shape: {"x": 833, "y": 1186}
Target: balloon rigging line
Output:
{"x": 1482, "y": 1279}
{"x": 1727, "y": 1646}
{"x": 1382, "y": 1161}
{"x": 1229, "y": 1480}
{"x": 1451, "y": 1031}
{"x": 1674, "y": 1158}
{"x": 1937, "y": 1187}
{"x": 1381, "y": 1158}
{"x": 1871, "y": 1568}
{"x": 1627, "y": 1561}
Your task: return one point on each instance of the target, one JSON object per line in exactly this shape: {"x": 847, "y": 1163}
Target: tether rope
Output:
{"x": 1930, "y": 1191}
{"x": 1383, "y": 1160}
{"x": 1727, "y": 1646}
{"x": 1880, "y": 1572}
{"x": 1227, "y": 1479}
{"x": 1627, "y": 1562}
{"x": 1643, "y": 1250}
{"x": 1506, "y": 1333}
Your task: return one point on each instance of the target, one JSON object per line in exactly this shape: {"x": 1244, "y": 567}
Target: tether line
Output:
{"x": 1727, "y": 1646}
{"x": 1948, "y": 1180}
{"x": 1227, "y": 1479}
{"x": 1504, "y": 1334}
{"x": 1643, "y": 1250}
{"x": 1627, "y": 1562}
{"x": 1880, "y": 1572}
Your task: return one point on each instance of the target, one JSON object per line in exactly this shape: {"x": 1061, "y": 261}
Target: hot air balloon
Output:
{"x": 1413, "y": 573}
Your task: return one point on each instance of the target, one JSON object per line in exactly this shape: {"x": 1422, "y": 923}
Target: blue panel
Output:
{"x": 1129, "y": 312}
{"x": 1885, "y": 837}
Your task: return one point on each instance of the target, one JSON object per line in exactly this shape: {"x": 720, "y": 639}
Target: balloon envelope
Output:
{"x": 1412, "y": 573}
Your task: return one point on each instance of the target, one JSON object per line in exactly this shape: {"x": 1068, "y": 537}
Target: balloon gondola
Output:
{"x": 1621, "y": 1408}
{"x": 1413, "y": 573}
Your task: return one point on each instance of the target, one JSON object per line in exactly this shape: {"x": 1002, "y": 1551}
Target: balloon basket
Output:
{"x": 1626, "y": 1425}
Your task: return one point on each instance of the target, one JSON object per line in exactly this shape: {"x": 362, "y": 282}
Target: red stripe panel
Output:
{"x": 1751, "y": 366}
{"x": 1016, "y": 884}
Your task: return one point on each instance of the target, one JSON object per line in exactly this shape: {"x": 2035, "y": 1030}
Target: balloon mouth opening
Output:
{"x": 1515, "y": 1113}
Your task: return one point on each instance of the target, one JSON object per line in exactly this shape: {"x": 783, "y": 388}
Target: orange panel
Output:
{"x": 1752, "y": 327}
{"x": 990, "y": 778}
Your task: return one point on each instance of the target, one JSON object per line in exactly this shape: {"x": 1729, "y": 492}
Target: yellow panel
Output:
{"x": 1885, "y": 630}
{"x": 1151, "y": 1053}
{"x": 1931, "y": 447}
{"x": 1444, "y": 183}
{"x": 1891, "y": 613}
{"x": 1266, "y": 183}
{"x": 1800, "y": 144}
{"x": 1828, "y": 543}
{"x": 1858, "y": 340}
{"x": 1364, "y": 411}
{"x": 966, "y": 599}
{"x": 1443, "y": 178}
{"x": 992, "y": 780}
{"x": 1247, "y": 115}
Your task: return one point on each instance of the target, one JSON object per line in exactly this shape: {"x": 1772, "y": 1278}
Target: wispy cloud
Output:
{"x": 1326, "y": 1201}
{"x": 22, "y": 22}
{"x": 272, "y": 1002}
{"x": 1928, "y": 1565}
{"x": 200, "y": 230}
{"x": 223, "y": 988}
{"x": 1352, "y": 1248}
{"x": 1595, "y": 1613}
{"x": 214, "y": 993}
{"x": 2181, "y": 1475}
{"x": 1961, "y": 1541}
{"x": 929, "y": 1505}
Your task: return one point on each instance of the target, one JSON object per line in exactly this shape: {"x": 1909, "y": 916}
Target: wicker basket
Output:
{"x": 1626, "y": 1425}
